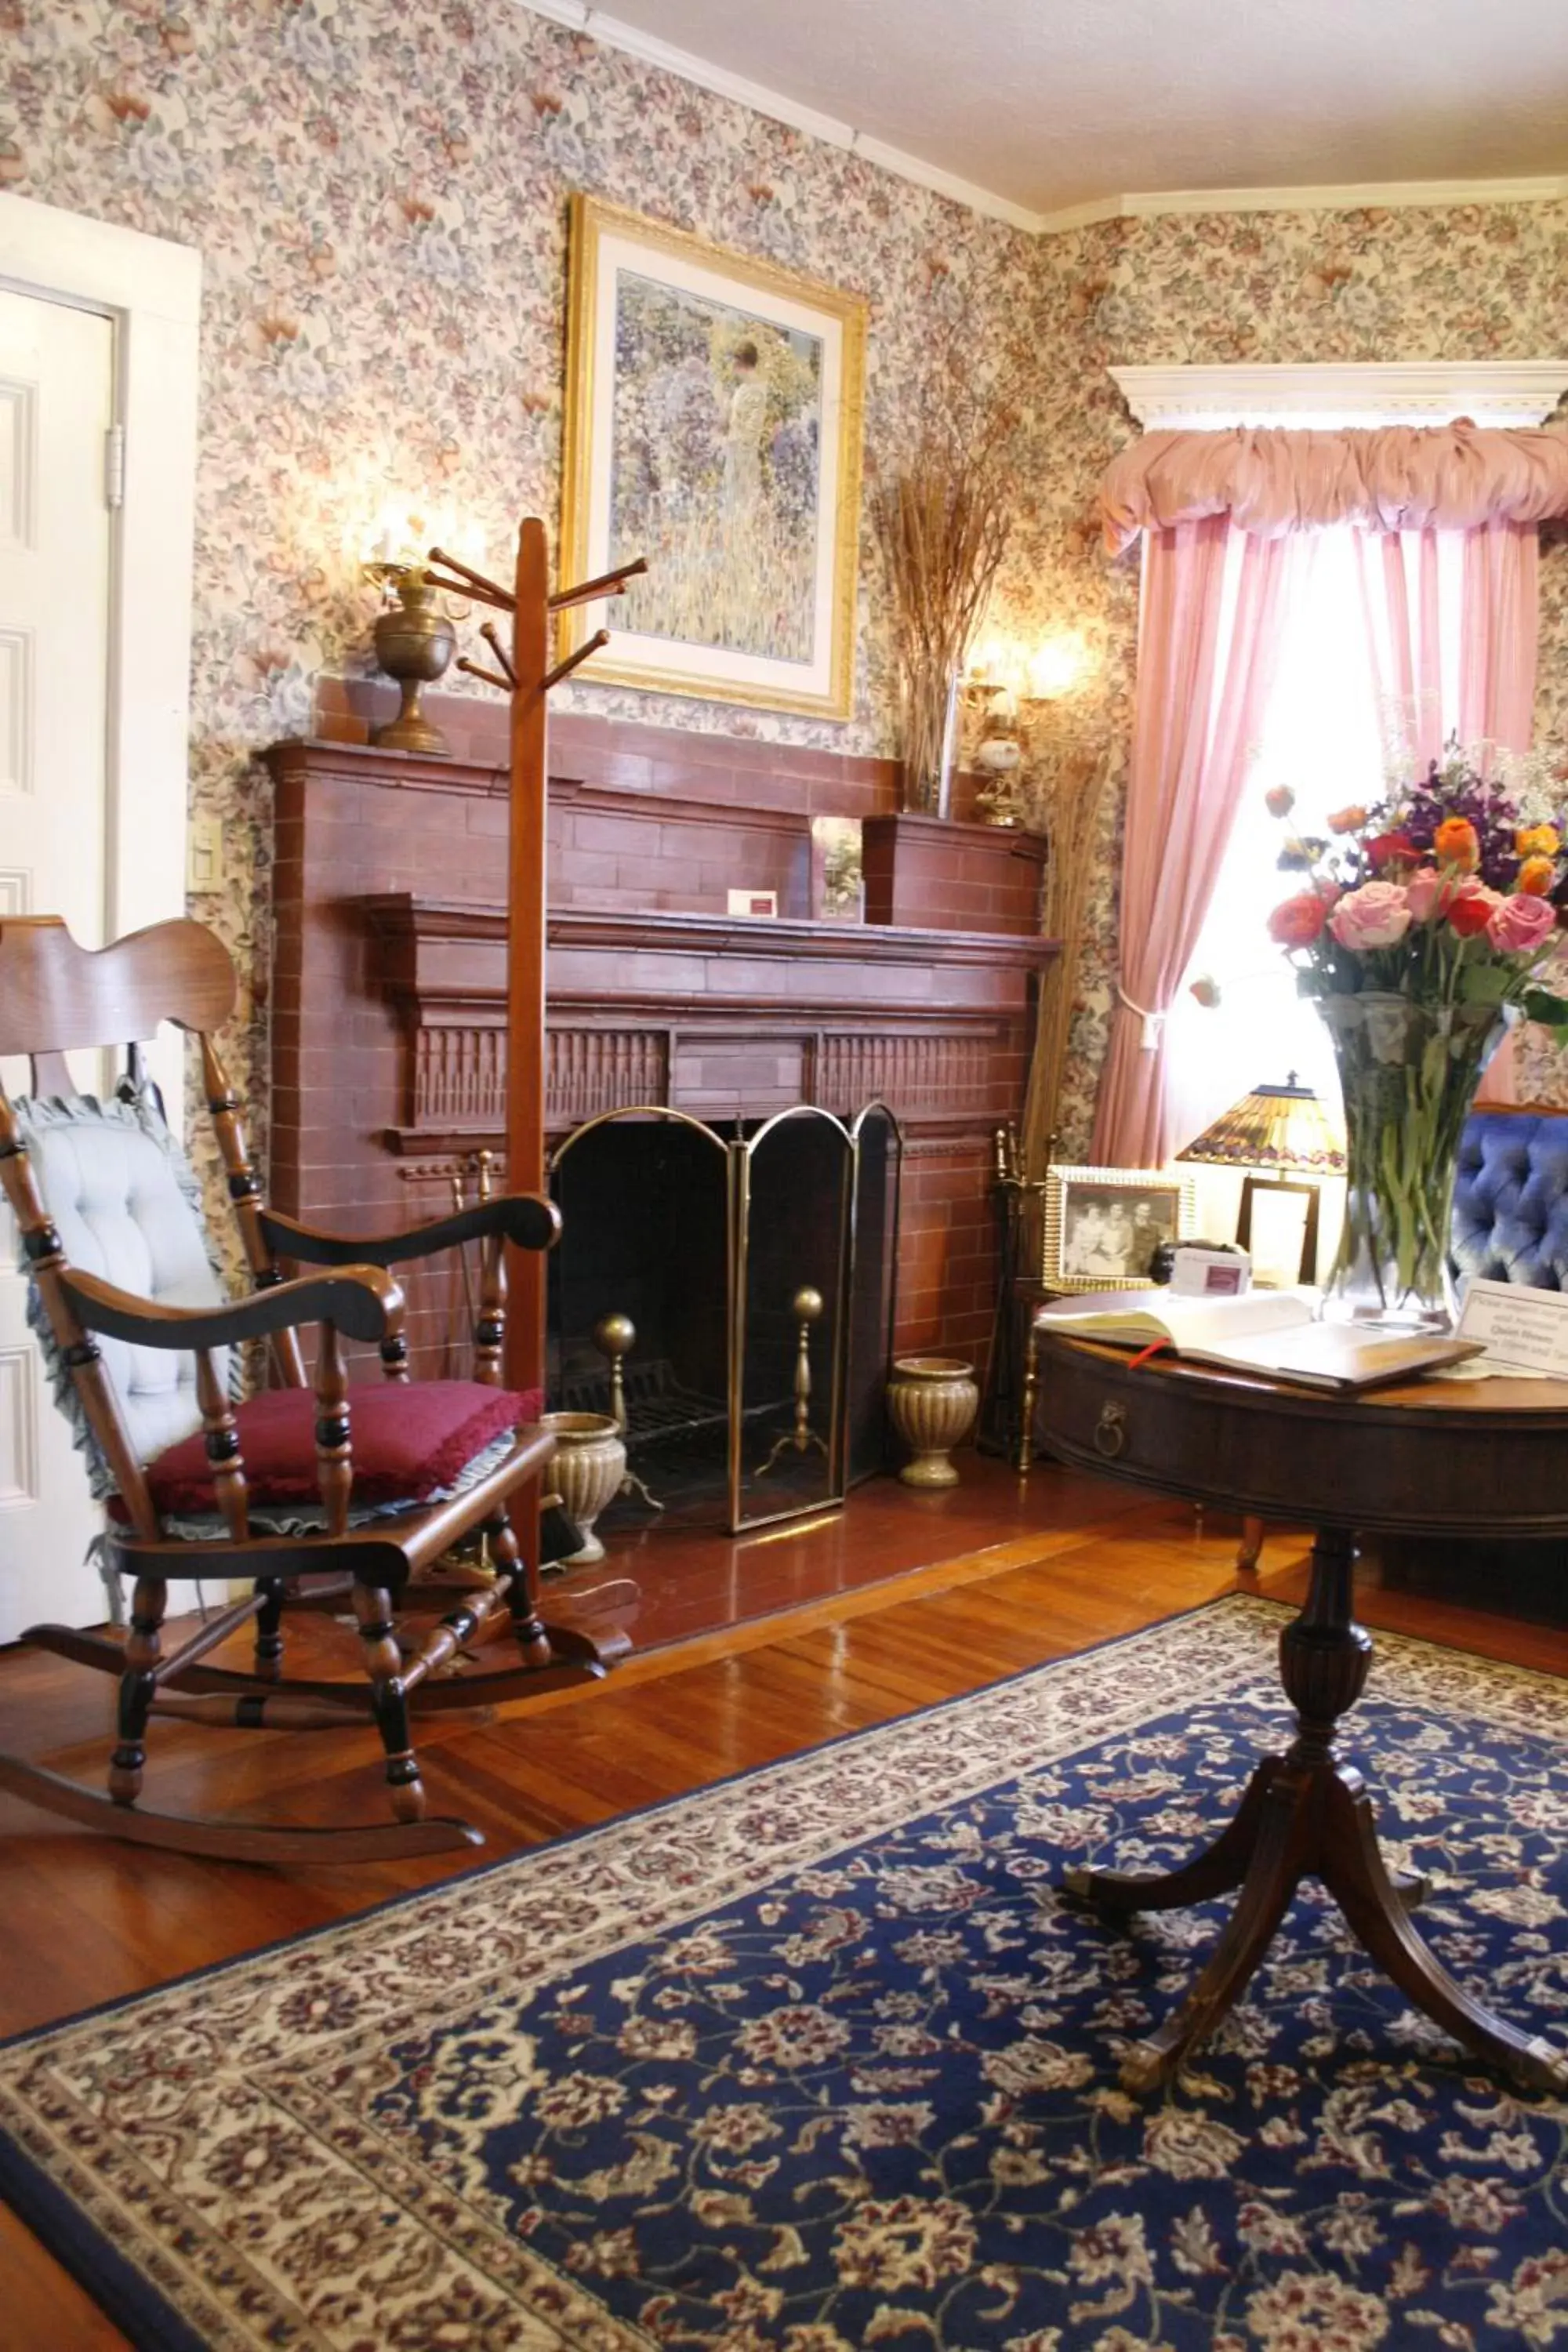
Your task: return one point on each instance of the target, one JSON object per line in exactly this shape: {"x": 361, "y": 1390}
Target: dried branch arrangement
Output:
{"x": 942, "y": 517}
{"x": 1072, "y": 798}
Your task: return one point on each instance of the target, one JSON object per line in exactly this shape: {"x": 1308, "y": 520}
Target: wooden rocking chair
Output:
{"x": 361, "y": 1490}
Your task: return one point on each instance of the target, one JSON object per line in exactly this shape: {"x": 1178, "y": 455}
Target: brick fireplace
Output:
{"x": 388, "y": 994}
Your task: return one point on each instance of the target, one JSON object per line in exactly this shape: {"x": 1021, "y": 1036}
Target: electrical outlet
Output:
{"x": 203, "y": 856}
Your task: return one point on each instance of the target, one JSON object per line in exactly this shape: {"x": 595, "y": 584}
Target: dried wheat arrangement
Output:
{"x": 940, "y": 518}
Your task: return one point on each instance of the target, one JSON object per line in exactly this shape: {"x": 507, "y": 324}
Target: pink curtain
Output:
{"x": 1411, "y": 681}
{"x": 1501, "y": 634}
{"x": 1397, "y": 477}
{"x": 1198, "y": 706}
{"x": 1496, "y": 685}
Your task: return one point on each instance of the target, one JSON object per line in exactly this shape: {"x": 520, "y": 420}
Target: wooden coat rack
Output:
{"x": 527, "y": 675}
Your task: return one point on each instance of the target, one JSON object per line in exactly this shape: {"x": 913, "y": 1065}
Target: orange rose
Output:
{"x": 1456, "y": 843}
{"x": 1347, "y": 820}
{"x": 1538, "y": 841}
{"x": 1298, "y": 922}
{"x": 1536, "y": 874}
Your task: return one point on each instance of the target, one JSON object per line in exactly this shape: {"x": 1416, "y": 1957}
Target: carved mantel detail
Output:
{"x": 724, "y": 1019}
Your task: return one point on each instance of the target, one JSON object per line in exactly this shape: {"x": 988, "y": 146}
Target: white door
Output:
{"x": 56, "y": 393}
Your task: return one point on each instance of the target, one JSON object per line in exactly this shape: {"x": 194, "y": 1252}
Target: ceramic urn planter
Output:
{"x": 589, "y": 1466}
{"x": 933, "y": 1401}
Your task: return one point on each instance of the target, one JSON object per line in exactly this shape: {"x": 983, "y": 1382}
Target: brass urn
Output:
{"x": 589, "y": 1466}
{"x": 933, "y": 1401}
{"x": 415, "y": 640}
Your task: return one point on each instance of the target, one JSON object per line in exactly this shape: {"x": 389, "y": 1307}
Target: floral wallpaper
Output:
{"x": 379, "y": 195}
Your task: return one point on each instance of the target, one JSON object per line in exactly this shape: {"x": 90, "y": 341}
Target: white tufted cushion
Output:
{"x": 125, "y": 1203}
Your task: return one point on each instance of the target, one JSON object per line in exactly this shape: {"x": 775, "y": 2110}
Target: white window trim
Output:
{"x": 149, "y": 289}
{"x": 1490, "y": 392}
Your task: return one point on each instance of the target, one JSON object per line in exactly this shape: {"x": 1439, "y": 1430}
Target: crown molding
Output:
{"x": 1337, "y": 196}
{"x": 614, "y": 33}
{"x": 1496, "y": 393}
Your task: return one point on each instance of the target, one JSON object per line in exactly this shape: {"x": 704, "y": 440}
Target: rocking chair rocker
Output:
{"x": 361, "y": 1490}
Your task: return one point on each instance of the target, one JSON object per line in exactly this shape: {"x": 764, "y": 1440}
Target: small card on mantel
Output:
{"x": 1523, "y": 1331}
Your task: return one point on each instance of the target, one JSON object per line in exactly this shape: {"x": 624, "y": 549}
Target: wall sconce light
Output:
{"x": 1056, "y": 667}
{"x": 1008, "y": 683}
{"x": 414, "y": 636}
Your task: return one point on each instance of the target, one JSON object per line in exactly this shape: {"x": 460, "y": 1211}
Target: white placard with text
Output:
{"x": 1524, "y": 1329}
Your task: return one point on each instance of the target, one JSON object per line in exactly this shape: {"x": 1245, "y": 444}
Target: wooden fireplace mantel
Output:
{"x": 388, "y": 1009}
{"x": 723, "y": 1018}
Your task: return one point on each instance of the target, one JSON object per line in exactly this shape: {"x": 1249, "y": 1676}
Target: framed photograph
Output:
{"x": 1103, "y": 1225}
{"x": 838, "y": 874}
{"x": 713, "y": 421}
{"x": 1277, "y": 1227}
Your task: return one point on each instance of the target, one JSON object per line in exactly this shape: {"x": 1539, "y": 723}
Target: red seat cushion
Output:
{"x": 408, "y": 1441}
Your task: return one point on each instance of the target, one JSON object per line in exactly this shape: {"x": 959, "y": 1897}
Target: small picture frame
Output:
{"x": 1103, "y": 1225}
{"x": 837, "y": 878}
{"x": 1277, "y": 1227}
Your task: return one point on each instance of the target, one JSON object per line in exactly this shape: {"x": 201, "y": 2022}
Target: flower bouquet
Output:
{"x": 1421, "y": 924}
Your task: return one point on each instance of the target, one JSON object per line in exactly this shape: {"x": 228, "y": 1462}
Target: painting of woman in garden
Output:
{"x": 714, "y": 472}
{"x": 714, "y": 406}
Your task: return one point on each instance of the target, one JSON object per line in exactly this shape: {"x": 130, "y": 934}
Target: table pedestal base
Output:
{"x": 1308, "y": 1813}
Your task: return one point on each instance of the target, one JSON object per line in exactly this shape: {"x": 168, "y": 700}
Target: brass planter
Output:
{"x": 414, "y": 643}
{"x": 589, "y": 1466}
{"x": 932, "y": 1400}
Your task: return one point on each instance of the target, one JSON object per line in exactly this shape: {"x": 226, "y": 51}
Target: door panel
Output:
{"x": 56, "y": 390}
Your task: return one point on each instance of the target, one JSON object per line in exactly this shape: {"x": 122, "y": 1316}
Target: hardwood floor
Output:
{"x": 1007, "y": 1580}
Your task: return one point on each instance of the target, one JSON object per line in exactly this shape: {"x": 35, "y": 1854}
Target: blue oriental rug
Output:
{"x": 820, "y": 2058}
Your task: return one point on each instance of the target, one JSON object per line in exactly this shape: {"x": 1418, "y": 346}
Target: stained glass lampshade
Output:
{"x": 1283, "y": 1128}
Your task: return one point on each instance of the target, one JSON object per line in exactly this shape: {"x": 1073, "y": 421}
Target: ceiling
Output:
{"x": 1050, "y": 104}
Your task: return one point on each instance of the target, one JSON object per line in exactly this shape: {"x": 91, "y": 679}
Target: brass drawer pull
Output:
{"x": 1111, "y": 1430}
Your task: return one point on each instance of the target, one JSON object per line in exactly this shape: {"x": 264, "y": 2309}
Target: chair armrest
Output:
{"x": 361, "y": 1300}
{"x": 520, "y": 1217}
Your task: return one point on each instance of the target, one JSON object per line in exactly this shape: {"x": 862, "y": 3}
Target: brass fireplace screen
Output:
{"x": 729, "y": 1298}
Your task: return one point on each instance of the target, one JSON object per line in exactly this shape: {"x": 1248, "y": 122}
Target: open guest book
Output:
{"x": 1273, "y": 1333}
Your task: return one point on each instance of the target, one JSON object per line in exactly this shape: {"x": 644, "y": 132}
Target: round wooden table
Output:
{"x": 1485, "y": 1458}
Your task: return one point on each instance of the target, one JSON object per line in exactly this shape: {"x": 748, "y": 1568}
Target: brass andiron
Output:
{"x": 616, "y": 1336}
{"x": 1018, "y": 1198}
{"x": 806, "y": 1306}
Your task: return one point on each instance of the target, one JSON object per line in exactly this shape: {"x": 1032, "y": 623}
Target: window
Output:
{"x": 1328, "y": 734}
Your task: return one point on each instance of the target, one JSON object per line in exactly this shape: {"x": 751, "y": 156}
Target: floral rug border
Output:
{"x": 84, "y": 2184}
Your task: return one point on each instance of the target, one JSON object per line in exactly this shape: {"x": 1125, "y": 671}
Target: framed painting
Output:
{"x": 713, "y": 423}
{"x": 1103, "y": 1225}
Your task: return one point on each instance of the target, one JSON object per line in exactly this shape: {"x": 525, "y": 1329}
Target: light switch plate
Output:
{"x": 204, "y": 858}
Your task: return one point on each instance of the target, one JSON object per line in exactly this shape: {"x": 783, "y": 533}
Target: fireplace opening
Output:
{"x": 728, "y": 1299}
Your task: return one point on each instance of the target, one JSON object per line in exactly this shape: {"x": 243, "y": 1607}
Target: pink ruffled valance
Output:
{"x": 1270, "y": 480}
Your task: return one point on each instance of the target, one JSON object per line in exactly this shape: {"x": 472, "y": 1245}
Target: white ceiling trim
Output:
{"x": 614, "y": 33}
{"x": 1350, "y": 195}
{"x": 1496, "y": 393}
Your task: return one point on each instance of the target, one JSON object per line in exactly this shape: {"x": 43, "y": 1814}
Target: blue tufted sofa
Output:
{"x": 1510, "y": 1198}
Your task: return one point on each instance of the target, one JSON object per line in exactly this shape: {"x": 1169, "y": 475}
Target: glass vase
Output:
{"x": 1408, "y": 1073}
{"x": 928, "y": 731}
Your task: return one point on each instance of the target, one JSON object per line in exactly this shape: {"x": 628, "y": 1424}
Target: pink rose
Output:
{"x": 1375, "y": 916}
{"x": 1522, "y": 924}
{"x": 1427, "y": 893}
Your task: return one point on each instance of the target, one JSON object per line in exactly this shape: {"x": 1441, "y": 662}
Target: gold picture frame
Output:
{"x": 1080, "y": 1255}
{"x": 714, "y": 412}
